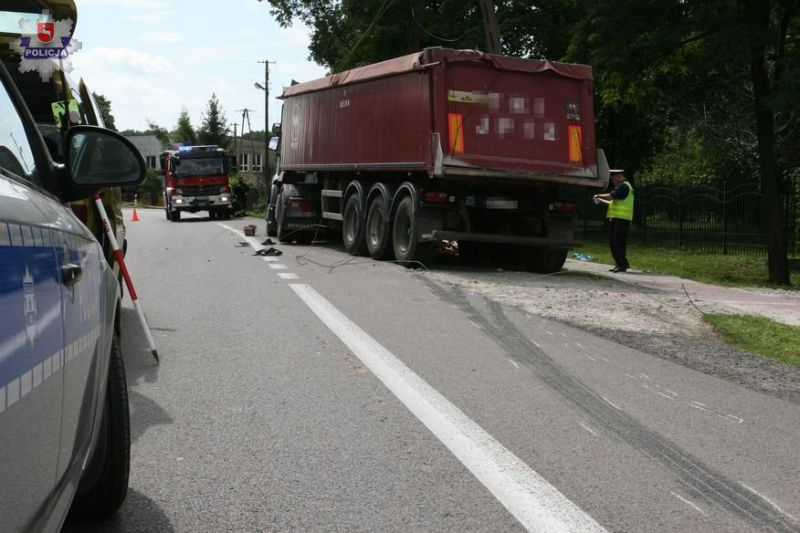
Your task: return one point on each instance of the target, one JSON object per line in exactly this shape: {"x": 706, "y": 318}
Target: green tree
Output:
{"x": 184, "y": 132}
{"x": 346, "y": 34}
{"x": 725, "y": 65}
{"x": 214, "y": 127}
{"x": 105, "y": 110}
{"x": 161, "y": 134}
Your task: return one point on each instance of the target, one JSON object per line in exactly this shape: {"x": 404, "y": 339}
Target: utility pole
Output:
{"x": 235, "y": 148}
{"x": 265, "y": 88}
{"x": 245, "y": 117}
{"x": 493, "y": 40}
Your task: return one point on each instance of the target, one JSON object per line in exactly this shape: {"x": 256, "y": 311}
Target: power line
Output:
{"x": 423, "y": 28}
{"x": 384, "y": 7}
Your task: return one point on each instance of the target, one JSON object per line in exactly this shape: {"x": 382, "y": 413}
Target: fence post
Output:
{"x": 587, "y": 208}
{"x": 642, "y": 198}
{"x": 680, "y": 217}
{"x": 725, "y": 218}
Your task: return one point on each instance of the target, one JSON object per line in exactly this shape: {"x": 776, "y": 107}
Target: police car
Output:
{"x": 64, "y": 427}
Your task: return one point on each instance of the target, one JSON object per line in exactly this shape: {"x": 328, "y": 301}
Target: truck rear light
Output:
{"x": 225, "y": 189}
{"x": 301, "y": 205}
{"x": 177, "y": 192}
{"x": 435, "y": 197}
{"x": 565, "y": 208}
{"x": 456, "y": 126}
{"x": 575, "y": 135}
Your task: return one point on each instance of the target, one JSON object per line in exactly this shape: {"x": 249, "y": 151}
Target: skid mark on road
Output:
{"x": 713, "y": 486}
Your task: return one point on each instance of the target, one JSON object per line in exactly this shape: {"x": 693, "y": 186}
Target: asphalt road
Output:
{"x": 311, "y": 393}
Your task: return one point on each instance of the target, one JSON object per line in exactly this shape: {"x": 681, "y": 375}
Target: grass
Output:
{"x": 725, "y": 270}
{"x": 760, "y": 335}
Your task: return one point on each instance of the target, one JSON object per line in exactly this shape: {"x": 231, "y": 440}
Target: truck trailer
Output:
{"x": 443, "y": 144}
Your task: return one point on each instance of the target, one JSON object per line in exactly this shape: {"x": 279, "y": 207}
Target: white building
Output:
{"x": 149, "y": 146}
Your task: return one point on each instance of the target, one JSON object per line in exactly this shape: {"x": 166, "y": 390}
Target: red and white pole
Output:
{"x": 126, "y": 276}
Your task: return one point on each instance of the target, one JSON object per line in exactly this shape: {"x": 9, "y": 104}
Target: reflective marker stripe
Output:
{"x": 20, "y": 386}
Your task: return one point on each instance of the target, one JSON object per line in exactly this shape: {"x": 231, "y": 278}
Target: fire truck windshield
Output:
{"x": 207, "y": 166}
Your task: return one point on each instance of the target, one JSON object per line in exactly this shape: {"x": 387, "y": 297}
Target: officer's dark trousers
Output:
{"x": 618, "y": 239}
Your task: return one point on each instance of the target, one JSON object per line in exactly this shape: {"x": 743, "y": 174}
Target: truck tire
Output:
{"x": 545, "y": 260}
{"x": 353, "y": 226}
{"x": 378, "y": 229}
{"x": 112, "y": 455}
{"x": 280, "y": 215}
{"x": 269, "y": 218}
{"x": 175, "y": 216}
{"x": 405, "y": 235}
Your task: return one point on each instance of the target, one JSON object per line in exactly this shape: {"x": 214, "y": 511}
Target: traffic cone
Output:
{"x": 135, "y": 217}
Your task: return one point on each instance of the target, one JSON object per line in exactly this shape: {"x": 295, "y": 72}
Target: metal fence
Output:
{"x": 724, "y": 220}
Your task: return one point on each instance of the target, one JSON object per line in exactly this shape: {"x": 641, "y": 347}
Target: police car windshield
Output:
{"x": 207, "y": 166}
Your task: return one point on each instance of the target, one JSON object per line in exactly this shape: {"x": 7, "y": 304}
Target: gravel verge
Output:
{"x": 645, "y": 319}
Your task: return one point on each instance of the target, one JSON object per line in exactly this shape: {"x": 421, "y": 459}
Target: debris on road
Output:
{"x": 268, "y": 251}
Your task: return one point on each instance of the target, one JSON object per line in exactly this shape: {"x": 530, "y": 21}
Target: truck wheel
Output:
{"x": 545, "y": 260}
{"x": 353, "y": 226}
{"x": 175, "y": 216}
{"x": 378, "y": 231}
{"x": 280, "y": 216}
{"x": 111, "y": 459}
{"x": 405, "y": 235}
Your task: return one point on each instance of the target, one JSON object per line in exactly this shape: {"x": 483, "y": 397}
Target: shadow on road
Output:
{"x": 138, "y": 513}
{"x": 140, "y": 367}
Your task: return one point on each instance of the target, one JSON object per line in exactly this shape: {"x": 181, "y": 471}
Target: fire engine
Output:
{"x": 196, "y": 179}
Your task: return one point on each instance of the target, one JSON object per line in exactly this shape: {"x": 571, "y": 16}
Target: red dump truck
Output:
{"x": 444, "y": 144}
{"x": 196, "y": 179}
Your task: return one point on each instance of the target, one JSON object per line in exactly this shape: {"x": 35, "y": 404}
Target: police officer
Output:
{"x": 620, "y": 214}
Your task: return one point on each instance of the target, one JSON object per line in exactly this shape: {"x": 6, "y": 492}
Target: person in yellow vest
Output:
{"x": 620, "y": 213}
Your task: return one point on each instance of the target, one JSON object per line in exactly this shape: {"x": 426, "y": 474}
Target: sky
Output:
{"x": 151, "y": 58}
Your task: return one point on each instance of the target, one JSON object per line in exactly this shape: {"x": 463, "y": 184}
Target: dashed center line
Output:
{"x": 277, "y": 266}
{"x": 287, "y": 275}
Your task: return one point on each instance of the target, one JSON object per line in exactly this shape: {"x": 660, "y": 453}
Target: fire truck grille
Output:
{"x": 206, "y": 190}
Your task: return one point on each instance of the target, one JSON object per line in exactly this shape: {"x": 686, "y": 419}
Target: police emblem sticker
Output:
{"x": 45, "y": 45}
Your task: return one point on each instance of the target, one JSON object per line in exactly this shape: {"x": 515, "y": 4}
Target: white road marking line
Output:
{"x": 536, "y": 504}
{"x": 605, "y": 359}
{"x": 537, "y": 345}
{"x": 587, "y": 428}
{"x": 270, "y": 259}
{"x": 548, "y": 332}
{"x": 477, "y": 326}
{"x": 287, "y": 275}
{"x": 589, "y": 357}
{"x": 630, "y": 376}
{"x": 513, "y": 363}
{"x": 579, "y": 345}
{"x": 277, "y": 266}
{"x": 687, "y": 502}
{"x": 773, "y": 504}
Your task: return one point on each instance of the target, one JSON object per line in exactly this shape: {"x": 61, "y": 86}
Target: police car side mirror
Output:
{"x": 97, "y": 158}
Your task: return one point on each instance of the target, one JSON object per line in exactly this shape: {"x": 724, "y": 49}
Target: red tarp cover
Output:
{"x": 419, "y": 60}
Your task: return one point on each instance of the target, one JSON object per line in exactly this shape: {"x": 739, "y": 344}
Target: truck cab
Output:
{"x": 196, "y": 179}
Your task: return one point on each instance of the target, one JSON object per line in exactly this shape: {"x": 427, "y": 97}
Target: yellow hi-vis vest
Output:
{"x": 622, "y": 208}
